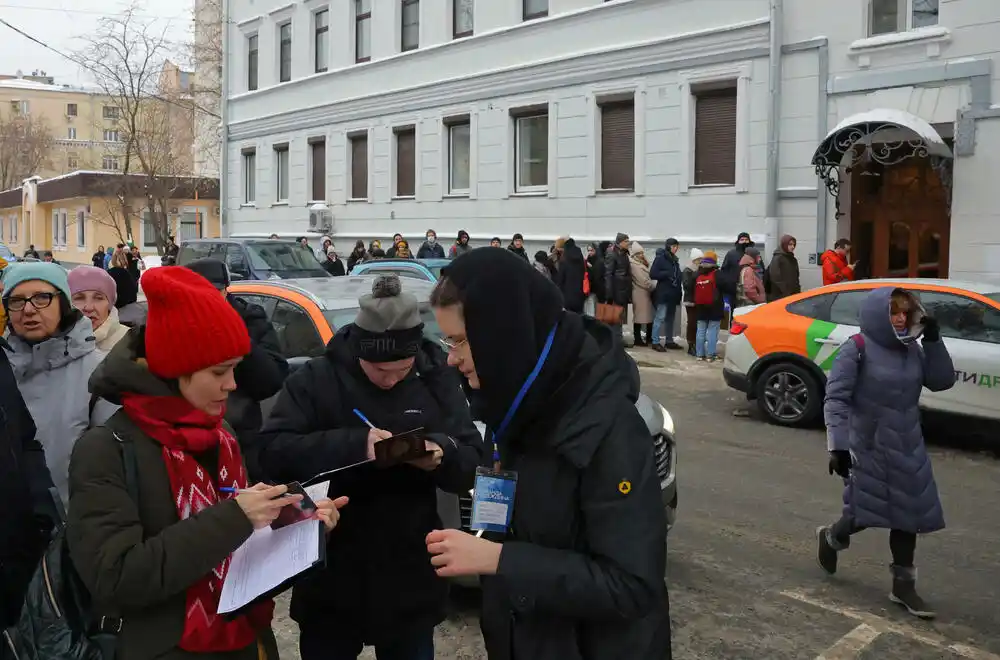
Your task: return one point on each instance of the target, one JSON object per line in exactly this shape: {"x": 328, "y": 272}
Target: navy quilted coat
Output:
{"x": 871, "y": 409}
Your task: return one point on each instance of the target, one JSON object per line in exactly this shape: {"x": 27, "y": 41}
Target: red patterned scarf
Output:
{"x": 184, "y": 431}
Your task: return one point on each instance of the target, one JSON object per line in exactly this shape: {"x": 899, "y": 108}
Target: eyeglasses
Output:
{"x": 38, "y": 301}
{"x": 451, "y": 344}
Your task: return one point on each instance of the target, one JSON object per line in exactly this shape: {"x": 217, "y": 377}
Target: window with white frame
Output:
{"x": 111, "y": 135}
{"x": 462, "y": 18}
{"x": 81, "y": 228}
{"x": 71, "y": 133}
{"x": 285, "y": 52}
{"x": 531, "y": 150}
{"x": 253, "y": 61}
{"x": 889, "y": 16}
{"x": 281, "y": 173}
{"x": 110, "y": 163}
{"x": 250, "y": 176}
{"x": 321, "y": 40}
{"x": 410, "y": 25}
{"x": 715, "y": 133}
{"x": 59, "y": 226}
{"x": 13, "y": 228}
{"x": 362, "y": 30}
{"x": 534, "y": 9}
{"x": 459, "y": 155}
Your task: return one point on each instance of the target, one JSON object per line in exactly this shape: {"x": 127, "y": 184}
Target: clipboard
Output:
{"x": 401, "y": 448}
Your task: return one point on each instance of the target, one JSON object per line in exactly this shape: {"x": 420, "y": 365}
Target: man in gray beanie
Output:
{"x": 380, "y": 376}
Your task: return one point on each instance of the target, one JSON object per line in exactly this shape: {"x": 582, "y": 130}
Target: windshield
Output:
{"x": 278, "y": 257}
{"x": 338, "y": 318}
{"x": 6, "y": 253}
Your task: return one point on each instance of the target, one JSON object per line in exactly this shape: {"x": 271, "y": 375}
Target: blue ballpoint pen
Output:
{"x": 364, "y": 419}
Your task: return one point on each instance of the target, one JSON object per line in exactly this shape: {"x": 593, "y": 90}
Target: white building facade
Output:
{"x": 696, "y": 119}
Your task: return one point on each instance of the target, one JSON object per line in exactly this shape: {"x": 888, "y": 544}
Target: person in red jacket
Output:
{"x": 835, "y": 266}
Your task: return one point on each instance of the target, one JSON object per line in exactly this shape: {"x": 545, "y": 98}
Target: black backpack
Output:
{"x": 58, "y": 620}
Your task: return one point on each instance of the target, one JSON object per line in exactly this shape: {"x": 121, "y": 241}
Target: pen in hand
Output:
{"x": 364, "y": 419}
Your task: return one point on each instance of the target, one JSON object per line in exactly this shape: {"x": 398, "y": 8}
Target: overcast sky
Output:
{"x": 61, "y": 23}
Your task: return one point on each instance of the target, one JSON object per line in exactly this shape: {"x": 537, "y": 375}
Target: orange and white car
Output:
{"x": 780, "y": 353}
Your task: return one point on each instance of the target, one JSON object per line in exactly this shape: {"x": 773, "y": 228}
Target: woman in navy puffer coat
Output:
{"x": 874, "y": 434}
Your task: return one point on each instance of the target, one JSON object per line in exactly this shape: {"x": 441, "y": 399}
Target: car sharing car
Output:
{"x": 780, "y": 353}
{"x": 420, "y": 269}
{"x": 306, "y": 313}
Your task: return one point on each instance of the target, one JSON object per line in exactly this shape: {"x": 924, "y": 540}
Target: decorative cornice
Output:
{"x": 726, "y": 44}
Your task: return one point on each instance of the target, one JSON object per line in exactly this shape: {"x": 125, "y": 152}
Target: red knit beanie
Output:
{"x": 190, "y": 326}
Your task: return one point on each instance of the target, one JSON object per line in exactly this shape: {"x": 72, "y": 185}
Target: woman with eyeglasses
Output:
{"x": 54, "y": 353}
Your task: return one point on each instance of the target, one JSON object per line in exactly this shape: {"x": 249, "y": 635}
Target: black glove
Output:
{"x": 932, "y": 331}
{"x": 841, "y": 463}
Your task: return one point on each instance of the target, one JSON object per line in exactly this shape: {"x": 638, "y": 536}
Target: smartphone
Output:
{"x": 400, "y": 448}
{"x": 296, "y": 511}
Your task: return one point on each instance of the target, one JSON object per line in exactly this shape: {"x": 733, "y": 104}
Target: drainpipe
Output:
{"x": 822, "y": 127}
{"x": 224, "y": 129}
{"x": 771, "y": 220}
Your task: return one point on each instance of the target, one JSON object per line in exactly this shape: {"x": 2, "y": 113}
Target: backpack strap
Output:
{"x": 859, "y": 343}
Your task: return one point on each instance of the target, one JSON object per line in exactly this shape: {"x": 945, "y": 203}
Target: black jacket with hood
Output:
{"x": 259, "y": 376}
{"x": 581, "y": 573}
{"x": 379, "y": 583}
{"x": 569, "y": 276}
{"x": 617, "y": 277}
{"x": 519, "y": 251}
{"x": 729, "y": 272}
{"x": 430, "y": 251}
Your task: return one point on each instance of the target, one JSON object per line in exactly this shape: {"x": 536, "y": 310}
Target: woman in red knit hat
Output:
{"x": 158, "y": 563}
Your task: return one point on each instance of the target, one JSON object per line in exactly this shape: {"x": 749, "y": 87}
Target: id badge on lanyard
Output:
{"x": 495, "y": 490}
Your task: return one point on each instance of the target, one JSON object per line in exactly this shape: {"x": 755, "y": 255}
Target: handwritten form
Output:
{"x": 272, "y": 556}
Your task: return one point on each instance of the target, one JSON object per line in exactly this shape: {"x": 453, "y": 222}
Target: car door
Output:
{"x": 970, "y": 330}
{"x": 236, "y": 261}
{"x": 842, "y": 323}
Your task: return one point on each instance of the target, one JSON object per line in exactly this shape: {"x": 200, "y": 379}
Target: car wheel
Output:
{"x": 788, "y": 394}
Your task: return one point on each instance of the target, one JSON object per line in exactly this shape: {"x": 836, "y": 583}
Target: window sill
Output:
{"x": 931, "y": 37}
{"x": 282, "y": 203}
{"x": 403, "y": 197}
{"x": 615, "y": 191}
{"x": 455, "y": 195}
{"x": 248, "y": 205}
{"x": 712, "y": 188}
{"x": 357, "y": 200}
{"x": 530, "y": 193}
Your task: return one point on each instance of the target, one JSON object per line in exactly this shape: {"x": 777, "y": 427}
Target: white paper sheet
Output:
{"x": 270, "y": 557}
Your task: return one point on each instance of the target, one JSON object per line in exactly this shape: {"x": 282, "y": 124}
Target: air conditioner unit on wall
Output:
{"x": 320, "y": 218}
{"x": 173, "y": 210}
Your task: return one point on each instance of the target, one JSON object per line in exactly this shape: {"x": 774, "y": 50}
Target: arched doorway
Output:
{"x": 899, "y": 168}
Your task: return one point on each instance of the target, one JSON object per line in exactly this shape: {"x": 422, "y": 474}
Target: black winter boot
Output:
{"x": 828, "y": 548}
{"x": 904, "y": 592}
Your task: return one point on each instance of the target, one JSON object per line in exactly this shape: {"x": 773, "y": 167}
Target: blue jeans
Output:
{"x": 707, "y": 340}
{"x": 316, "y": 643}
{"x": 663, "y": 323}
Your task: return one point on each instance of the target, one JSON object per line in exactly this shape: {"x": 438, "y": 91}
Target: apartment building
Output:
{"x": 698, "y": 119}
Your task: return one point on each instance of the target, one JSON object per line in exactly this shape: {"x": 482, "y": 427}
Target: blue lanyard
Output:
{"x": 520, "y": 395}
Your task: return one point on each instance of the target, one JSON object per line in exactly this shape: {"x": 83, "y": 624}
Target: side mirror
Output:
{"x": 297, "y": 362}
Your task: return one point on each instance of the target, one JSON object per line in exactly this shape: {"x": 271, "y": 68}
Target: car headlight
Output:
{"x": 668, "y": 421}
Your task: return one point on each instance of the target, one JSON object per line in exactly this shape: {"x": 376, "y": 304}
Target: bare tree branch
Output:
{"x": 26, "y": 145}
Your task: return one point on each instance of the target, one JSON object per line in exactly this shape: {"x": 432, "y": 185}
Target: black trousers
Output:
{"x": 902, "y": 545}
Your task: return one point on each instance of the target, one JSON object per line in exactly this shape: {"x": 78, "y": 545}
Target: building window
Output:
{"x": 110, "y": 112}
{"x": 72, "y": 162}
{"x": 531, "y": 152}
{"x": 715, "y": 134}
{"x": 250, "y": 176}
{"x": 359, "y": 166}
{"x": 618, "y": 145}
{"x": 534, "y": 9}
{"x": 285, "y": 52}
{"x": 110, "y": 163}
{"x": 362, "y": 30}
{"x": 459, "y": 157}
{"x": 253, "y": 59}
{"x": 111, "y": 135}
{"x": 317, "y": 158}
{"x": 149, "y": 230}
{"x": 71, "y": 133}
{"x": 281, "y": 173}
{"x": 321, "y": 40}
{"x": 59, "y": 226}
{"x": 71, "y": 110}
{"x": 406, "y": 161}
{"x": 410, "y": 25}
{"x": 888, "y": 16}
{"x": 22, "y": 108}
{"x": 462, "y": 18}
{"x": 14, "y": 221}
{"x": 81, "y": 229}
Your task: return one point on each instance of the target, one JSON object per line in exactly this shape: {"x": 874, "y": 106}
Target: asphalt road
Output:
{"x": 743, "y": 578}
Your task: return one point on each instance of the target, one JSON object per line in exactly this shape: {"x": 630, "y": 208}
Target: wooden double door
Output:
{"x": 900, "y": 220}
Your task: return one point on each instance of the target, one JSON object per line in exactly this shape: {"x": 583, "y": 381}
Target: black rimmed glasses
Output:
{"x": 38, "y": 301}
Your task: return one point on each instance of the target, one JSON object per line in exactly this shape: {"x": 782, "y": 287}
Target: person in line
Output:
{"x": 119, "y": 258}
{"x": 618, "y": 277}
{"x": 94, "y": 293}
{"x": 689, "y": 276}
{"x": 729, "y": 274}
{"x": 517, "y": 247}
{"x": 495, "y": 242}
{"x": 750, "y": 289}
{"x": 569, "y": 276}
{"x": 379, "y": 587}
{"x": 28, "y": 512}
{"x": 170, "y": 252}
{"x": 431, "y": 249}
{"x": 97, "y": 259}
{"x": 874, "y": 436}
{"x": 325, "y": 244}
{"x": 52, "y": 354}
{"x": 261, "y": 372}
{"x": 391, "y": 252}
{"x": 136, "y": 265}
{"x": 836, "y": 269}
{"x": 303, "y": 241}
{"x": 107, "y": 257}
{"x": 332, "y": 263}
{"x": 130, "y": 312}
{"x": 375, "y": 250}
{"x": 461, "y": 245}
{"x": 595, "y": 272}
{"x": 544, "y": 265}
{"x": 666, "y": 272}
{"x": 708, "y": 308}
{"x": 31, "y": 252}
{"x": 403, "y": 250}
{"x": 48, "y": 258}
{"x": 273, "y": 237}
{"x": 784, "y": 270}
{"x": 357, "y": 255}
{"x": 642, "y": 295}
{"x": 159, "y": 563}
{"x": 580, "y": 571}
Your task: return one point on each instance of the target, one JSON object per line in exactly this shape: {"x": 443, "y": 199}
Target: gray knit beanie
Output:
{"x": 388, "y": 326}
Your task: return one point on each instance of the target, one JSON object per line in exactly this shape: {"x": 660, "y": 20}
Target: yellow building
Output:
{"x": 74, "y": 214}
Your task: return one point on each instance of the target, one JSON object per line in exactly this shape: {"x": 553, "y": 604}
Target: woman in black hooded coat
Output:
{"x": 569, "y": 276}
{"x": 580, "y": 571}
